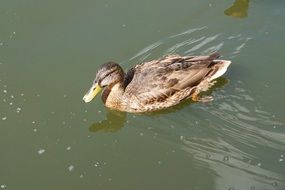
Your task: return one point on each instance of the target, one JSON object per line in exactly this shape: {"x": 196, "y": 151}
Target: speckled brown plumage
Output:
{"x": 162, "y": 83}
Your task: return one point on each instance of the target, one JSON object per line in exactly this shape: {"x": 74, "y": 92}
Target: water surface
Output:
{"x": 50, "y": 139}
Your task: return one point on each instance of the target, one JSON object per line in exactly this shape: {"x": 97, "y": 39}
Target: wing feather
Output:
{"x": 157, "y": 80}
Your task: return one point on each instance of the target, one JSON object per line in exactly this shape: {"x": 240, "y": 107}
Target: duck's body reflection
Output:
{"x": 238, "y": 9}
{"x": 115, "y": 120}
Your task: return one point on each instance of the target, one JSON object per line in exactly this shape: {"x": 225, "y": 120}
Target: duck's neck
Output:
{"x": 113, "y": 96}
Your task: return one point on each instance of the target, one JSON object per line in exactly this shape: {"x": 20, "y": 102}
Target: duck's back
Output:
{"x": 163, "y": 83}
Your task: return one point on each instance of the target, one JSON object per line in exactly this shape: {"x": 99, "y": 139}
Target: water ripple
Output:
{"x": 203, "y": 43}
{"x": 193, "y": 41}
{"x": 146, "y": 50}
{"x": 243, "y": 132}
{"x": 229, "y": 135}
{"x": 189, "y": 31}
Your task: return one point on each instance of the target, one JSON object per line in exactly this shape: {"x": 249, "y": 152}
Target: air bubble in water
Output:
{"x": 18, "y": 110}
{"x": 226, "y": 158}
{"x": 41, "y": 151}
{"x": 71, "y": 168}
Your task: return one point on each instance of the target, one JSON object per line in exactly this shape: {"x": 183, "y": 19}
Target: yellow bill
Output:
{"x": 94, "y": 90}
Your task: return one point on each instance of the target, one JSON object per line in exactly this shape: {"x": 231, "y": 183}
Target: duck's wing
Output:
{"x": 160, "y": 79}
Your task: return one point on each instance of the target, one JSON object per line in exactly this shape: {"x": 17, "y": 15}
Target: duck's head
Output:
{"x": 108, "y": 74}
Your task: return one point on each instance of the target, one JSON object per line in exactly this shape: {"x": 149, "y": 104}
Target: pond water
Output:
{"x": 50, "y": 139}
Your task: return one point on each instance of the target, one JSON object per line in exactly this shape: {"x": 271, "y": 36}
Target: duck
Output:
{"x": 157, "y": 84}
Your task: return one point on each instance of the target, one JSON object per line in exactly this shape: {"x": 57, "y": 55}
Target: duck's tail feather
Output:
{"x": 219, "y": 67}
{"x": 214, "y": 55}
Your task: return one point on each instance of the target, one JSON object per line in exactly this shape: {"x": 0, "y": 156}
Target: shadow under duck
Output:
{"x": 156, "y": 84}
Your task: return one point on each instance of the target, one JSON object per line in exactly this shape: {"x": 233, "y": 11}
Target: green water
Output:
{"x": 50, "y": 139}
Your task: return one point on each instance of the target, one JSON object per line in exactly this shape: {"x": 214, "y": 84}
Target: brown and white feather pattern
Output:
{"x": 166, "y": 82}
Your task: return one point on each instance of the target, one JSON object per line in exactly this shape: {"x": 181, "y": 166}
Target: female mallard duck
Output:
{"x": 156, "y": 84}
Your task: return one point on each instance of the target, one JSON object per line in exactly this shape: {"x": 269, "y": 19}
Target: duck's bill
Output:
{"x": 94, "y": 90}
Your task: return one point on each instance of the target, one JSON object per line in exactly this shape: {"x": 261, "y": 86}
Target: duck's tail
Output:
{"x": 219, "y": 67}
